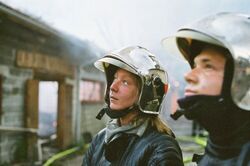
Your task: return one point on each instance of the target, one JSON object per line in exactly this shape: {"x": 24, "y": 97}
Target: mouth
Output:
{"x": 112, "y": 98}
{"x": 189, "y": 92}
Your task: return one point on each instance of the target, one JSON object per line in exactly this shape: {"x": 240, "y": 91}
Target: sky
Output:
{"x": 112, "y": 24}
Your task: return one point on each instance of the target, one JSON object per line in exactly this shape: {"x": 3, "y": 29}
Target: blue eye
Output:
{"x": 125, "y": 82}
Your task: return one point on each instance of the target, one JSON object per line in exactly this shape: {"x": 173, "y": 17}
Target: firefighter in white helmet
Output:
{"x": 217, "y": 94}
{"x": 135, "y": 135}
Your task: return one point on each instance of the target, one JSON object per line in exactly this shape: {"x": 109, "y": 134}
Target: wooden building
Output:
{"x": 31, "y": 52}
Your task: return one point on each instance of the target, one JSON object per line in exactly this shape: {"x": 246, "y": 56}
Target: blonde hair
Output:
{"x": 155, "y": 122}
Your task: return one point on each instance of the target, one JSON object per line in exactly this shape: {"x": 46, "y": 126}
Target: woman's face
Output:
{"x": 124, "y": 90}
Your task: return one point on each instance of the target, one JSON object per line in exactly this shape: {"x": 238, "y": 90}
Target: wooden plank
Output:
{"x": 32, "y": 113}
{"x": 64, "y": 121}
{"x": 44, "y": 62}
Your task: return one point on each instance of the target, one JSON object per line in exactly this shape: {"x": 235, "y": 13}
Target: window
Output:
{"x": 91, "y": 91}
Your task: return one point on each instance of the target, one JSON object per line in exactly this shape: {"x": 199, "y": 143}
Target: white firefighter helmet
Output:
{"x": 228, "y": 30}
{"x": 142, "y": 63}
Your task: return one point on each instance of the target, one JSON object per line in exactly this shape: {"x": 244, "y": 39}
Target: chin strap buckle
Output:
{"x": 197, "y": 157}
{"x": 101, "y": 113}
{"x": 177, "y": 114}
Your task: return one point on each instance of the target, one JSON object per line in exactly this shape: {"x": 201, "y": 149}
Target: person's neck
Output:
{"x": 128, "y": 118}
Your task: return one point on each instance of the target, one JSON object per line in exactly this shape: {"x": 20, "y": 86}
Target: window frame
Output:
{"x": 101, "y": 92}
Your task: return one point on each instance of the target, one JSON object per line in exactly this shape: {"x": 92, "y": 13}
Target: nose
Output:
{"x": 191, "y": 76}
{"x": 114, "y": 86}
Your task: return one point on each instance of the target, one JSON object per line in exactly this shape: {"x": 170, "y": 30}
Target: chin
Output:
{"x": 115, "y": 108}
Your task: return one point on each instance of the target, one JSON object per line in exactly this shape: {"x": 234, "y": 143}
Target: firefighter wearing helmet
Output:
{"x": 136, "y": 86}
{"x": 217, "y": 94}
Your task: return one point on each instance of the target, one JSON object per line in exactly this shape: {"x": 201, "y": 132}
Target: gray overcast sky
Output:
{"x": 115, "y": 23}
{"x": 112, "y": 24}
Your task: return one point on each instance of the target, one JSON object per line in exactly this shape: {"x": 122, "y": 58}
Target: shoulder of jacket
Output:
{"x": 100, "y": 135}
{"x": 244, "y": 157}
{"x": 154, "y": 136}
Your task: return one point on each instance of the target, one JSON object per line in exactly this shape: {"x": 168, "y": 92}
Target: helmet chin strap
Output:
{"x": 113, "y": 114}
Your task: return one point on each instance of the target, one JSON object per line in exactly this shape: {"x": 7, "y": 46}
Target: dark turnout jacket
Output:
{"x": 231, "y": 150}
{"x": 232, "y": 155}
{"x": 152, "y": 148}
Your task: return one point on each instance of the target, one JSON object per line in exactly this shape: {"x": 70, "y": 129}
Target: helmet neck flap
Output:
{"x": 228, "y": 126}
